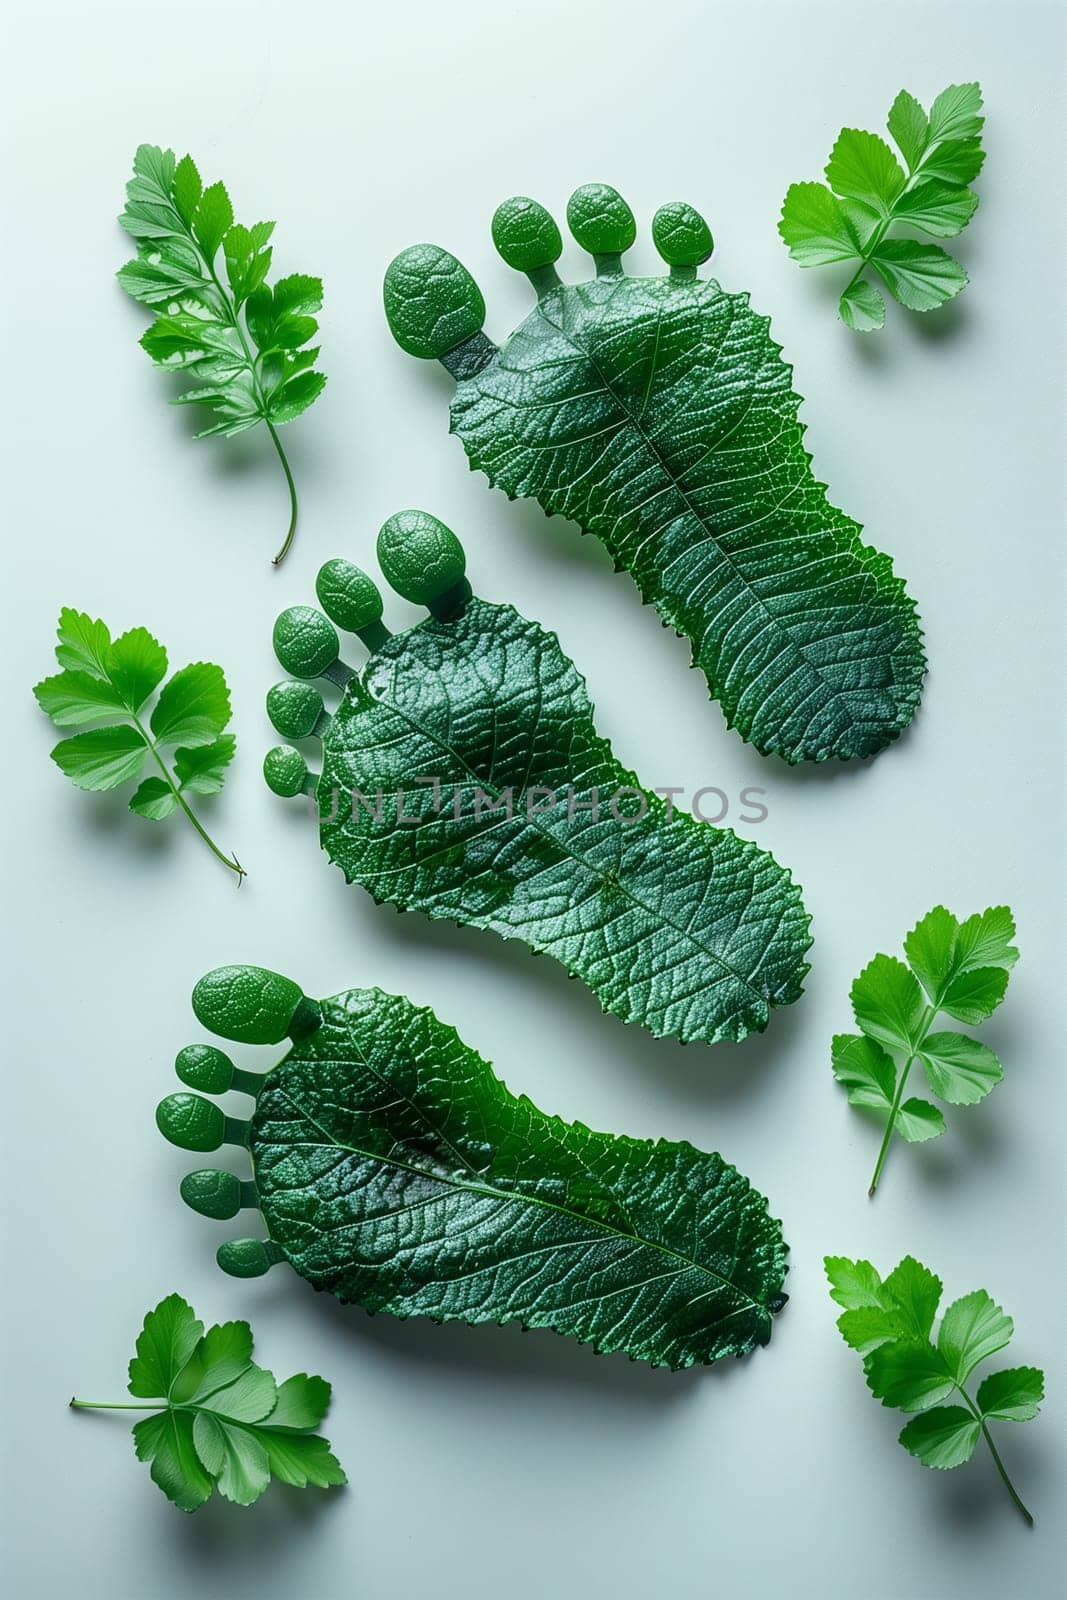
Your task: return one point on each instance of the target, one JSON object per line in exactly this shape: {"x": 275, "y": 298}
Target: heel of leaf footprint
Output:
{"x": 251, "y": 1006}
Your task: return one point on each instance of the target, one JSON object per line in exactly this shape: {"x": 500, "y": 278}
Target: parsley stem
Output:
{"x": 898, "y": 1092}
{"x": 880, "y": 232}
{"x": 230, "y": 861}
{"x": 890, "y": 1125}
{"x": 112, "y": 1405}
{"x": 284, "y": 551}
{"x": 230, "y": 310}
{"x": 987, "y": 1436}
{"x": 1004, "y": 1475}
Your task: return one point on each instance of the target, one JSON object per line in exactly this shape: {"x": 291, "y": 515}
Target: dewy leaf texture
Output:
{"x": 890, "y": 1324}
{"x": 658, "y": 414}
{"x": 395, "y": 1171}
{"x": 221, "y": 1422}
{"x": 463, "y": 777}
{"x": 243, "y": 344}
{"x": 959, "y": 969}
{"x": 870, "y": 193}
{"x": 107, "y": 681}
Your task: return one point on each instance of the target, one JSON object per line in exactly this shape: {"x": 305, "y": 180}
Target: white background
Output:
{"x": 484, "y": 1462}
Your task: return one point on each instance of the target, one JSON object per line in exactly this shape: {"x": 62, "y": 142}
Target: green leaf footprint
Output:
{"x": 462, "y": 776}
{"x": 658, "y": 414}
{"x": 395, "y": 1171}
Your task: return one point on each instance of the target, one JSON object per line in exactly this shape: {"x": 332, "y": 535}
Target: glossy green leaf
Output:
{"x": 70, "y": 698}
{"x": 84, "y": 644}
{"x": 658, "y": 414}
{"x": 110, "y": 683}
{"x": 203, "y": 770}
{"x": 159, "y": 284}
{"x": 137, "y": 665}
{"x": 888, "y": 1005}
{"x": 164, "y": 1346}
{"x": 938, "y": 208}
{"x": 964, "y": 969}
{"x": 219, "y": 1421}
{"x": 862, "y": 307}
{"x": 217, "y": 1359}
{"x": 972, "y": 1329}
{"x": 155, "y": 799}
{"x": 191, "y": 342}
{"x": 295, "y": 395}
{"x": 958, "y": 1068}
{"x": 910, "y": 128}
{"x": 876, "y": 1313}
{"x": 299, "y": 1458}
{"x": 247, "y": 259}
{"x": 203, "y": 311}
{"x": 954, "y": 114}
{"x": 931, "y": 951}
{"x": 960, "y": 969}
{"x": 103, "y": 758}
{"x": 942, "y": 154}
{"x": 868, "y": 1327}
{"x": 166, "y": 1442}
{"x": 854, "y": 1284}
{"x": 395, "y": 1171}
{"x": 891, "y": 1325}
{"x": 984, "y": 940}
{"x": 1013, "y": 1395}
{"x": 957, "y": 161}
{"x": 249, "y": 1397}
{"x": 944, "y": 1437}
{"x": 914, "y": 1292}
{"x": 463, "y": 776}
{"x": 187, "y": 187}
{"x": 865, "y": 1069}
{"x": 917, "y": 1120}
{"x": 920, "y": 276}
{"x": 865, "y": 221}
{"x": 212, "y": 219}
{"x": 194, "y": 706}
{"x": 815, "y": 227}
{"x": 974, "y": 996}
{"x": 862, "y": 167}
{"x": 909, "y": 1376}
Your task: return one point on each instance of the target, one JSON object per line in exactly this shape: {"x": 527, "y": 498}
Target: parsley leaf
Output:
{"x": 221, "y": 1422}
{"x": 959, "y": 969}
{"x": 110, "y": 682}
{"x": 243, "y": 343}
{"x": 869, "y": 192}
{"x": 890, "y": 1323}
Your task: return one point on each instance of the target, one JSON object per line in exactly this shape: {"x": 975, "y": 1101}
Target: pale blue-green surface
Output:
{"x": 484, "y": 1462}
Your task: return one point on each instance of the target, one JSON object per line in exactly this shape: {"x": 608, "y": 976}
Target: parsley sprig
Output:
{"x": 111, "y": 681}
{"x": 220, "y": 1421}
{"x": 242, "y": 342}
{"x": 889, "y": 1322}
{"x": 957, "y": 968}
{"x": 870, "y": 192}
